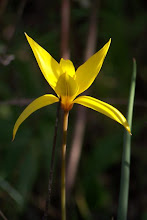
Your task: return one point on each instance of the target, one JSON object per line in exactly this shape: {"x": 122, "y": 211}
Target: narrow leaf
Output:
{"x": 125, "y": 169}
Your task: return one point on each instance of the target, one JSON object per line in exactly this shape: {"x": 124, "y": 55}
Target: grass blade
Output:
{"x": 13, "y": 193}
{"x": 125, "y": 169}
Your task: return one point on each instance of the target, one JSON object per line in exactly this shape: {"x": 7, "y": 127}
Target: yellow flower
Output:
{"x": 68, "y": 84}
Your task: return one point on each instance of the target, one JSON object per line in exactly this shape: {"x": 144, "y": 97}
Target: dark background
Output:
{"x": 24, "y": 163}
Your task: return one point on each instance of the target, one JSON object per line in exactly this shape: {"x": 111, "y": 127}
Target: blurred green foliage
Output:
{"x": 24, "y": 164}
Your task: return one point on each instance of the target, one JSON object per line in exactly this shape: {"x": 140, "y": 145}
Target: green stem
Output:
{"x": 63, "y": 165}
{"x": 48, "y": 197}
{"x": 125, "y": 169}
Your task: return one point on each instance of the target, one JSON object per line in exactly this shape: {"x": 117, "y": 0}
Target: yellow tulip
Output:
{"x": 68, "y": 83}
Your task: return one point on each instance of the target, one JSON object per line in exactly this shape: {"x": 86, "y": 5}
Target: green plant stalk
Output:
{"x": 125, "y": 168}
{"x": 63, "y": 166}
{"x": 48, "y": 198}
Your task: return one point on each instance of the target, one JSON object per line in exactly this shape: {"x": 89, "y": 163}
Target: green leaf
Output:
{"x": 125, "y": 169}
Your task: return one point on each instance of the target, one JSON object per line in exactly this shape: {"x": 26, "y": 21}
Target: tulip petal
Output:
{"x": 66, "y": 86}
{"x": 67, "y": 67}
{"x": 103, "y": 108}
{"x": 32, "y": 107}
{"x": 66, "y": 89}
{"x": 87, "y": 72}
{"x": 49, "y": 66}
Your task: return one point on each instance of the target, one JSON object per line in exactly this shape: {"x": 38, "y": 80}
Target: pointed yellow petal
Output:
{"x": 86, "y": 73}
{"x": 103, "y": 108}
{"x": 48, "y": 65}
{"x": 67, "y": 67}
{"x": 66, "y": 89}
{"x": 35, "y": 105}
{"x": 66, "y": 86}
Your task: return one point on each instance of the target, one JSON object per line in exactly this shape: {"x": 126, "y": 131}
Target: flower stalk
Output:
{"x": 63, "y": 166}
{"x": 48, "y": 198}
